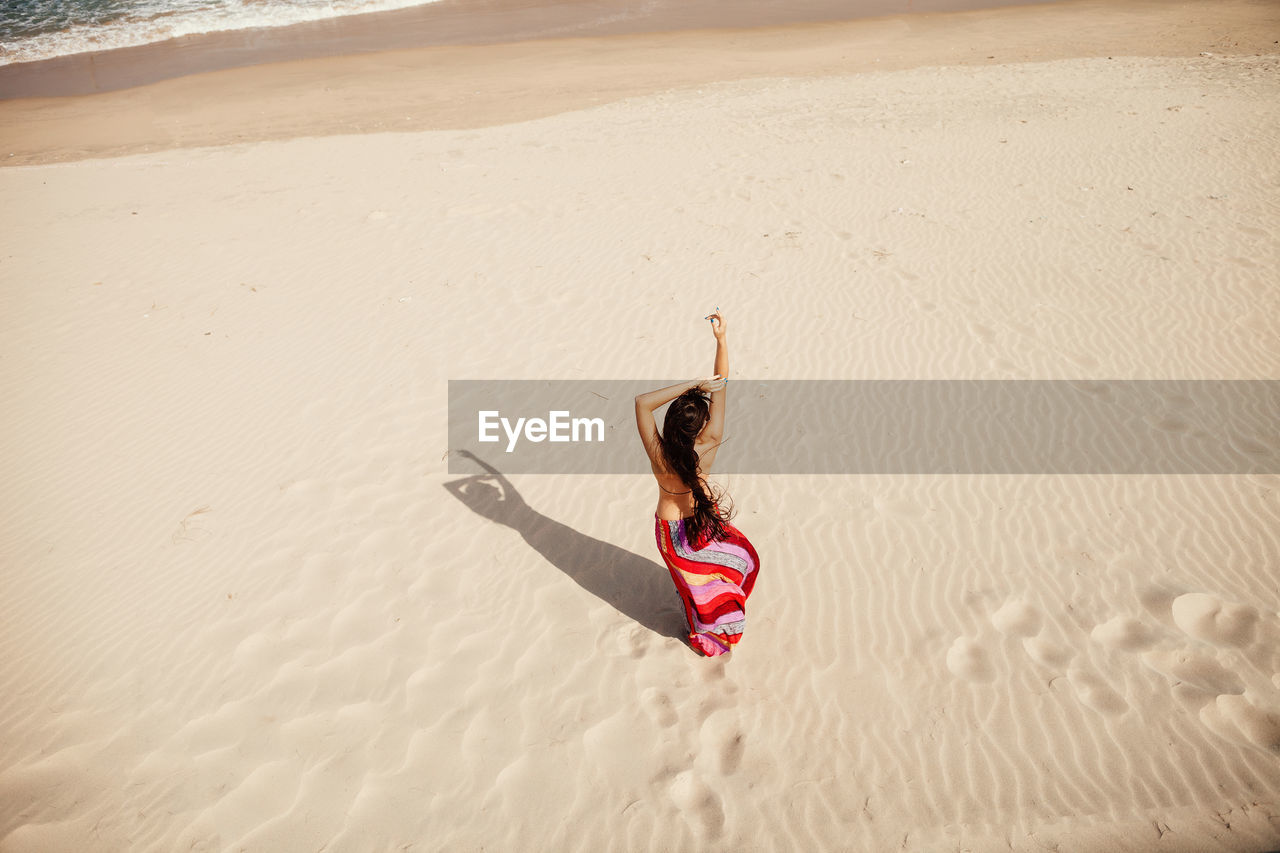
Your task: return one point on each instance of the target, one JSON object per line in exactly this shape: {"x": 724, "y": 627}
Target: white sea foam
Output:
{"x": 158, "y": 20}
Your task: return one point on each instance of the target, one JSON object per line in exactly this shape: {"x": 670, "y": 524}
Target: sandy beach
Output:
{"x": 245, "y": 607}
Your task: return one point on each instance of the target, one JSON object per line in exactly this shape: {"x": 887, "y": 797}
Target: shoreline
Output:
{"x": 438, "y": 24}
{"x": 470, "y": 86}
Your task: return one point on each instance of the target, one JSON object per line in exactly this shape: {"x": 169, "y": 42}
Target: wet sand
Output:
{"x": 448, "y": 22}
{"x": 459, "y": 86}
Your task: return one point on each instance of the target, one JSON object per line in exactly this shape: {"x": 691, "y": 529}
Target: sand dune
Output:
{"x": 246, "y": 607}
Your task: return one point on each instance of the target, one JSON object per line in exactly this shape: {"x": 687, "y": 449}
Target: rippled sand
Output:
{"x": 242, "y": 609}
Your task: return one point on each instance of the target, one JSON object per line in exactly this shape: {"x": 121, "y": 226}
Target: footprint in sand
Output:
{"x": 714, "y": 671}
{"x": 1157, "y": 600}
{"x": 1047, "y": 653}
{"x": 1190, "y": 673}
{"x": 697, "y": 802}
{"x": 659, "y": 707}
{"x": 968, "y": 659}
{"x": 1095, "y": 692}
{"x": 1234, "y": 712}
{"x": 631, "y": 641}
{"x": 1201, "y": 672}
{"x": 722, "y": 740}
{"x": 1017, "y": 619}
{"x": 1125, "y": 633}
{"x": 1235, "y": 718}
{"x": 1215, "y": 621}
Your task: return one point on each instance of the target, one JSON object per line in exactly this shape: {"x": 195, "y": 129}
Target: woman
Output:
{"x": 711, "y": 562}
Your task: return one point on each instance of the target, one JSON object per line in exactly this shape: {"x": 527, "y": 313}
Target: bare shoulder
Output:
{"x": 709, "y": 446}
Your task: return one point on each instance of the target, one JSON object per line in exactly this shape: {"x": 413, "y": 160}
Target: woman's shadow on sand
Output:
{"x": 638, "y": 588}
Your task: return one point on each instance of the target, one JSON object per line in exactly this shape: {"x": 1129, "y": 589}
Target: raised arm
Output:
{"x": 715, "y": 424}
{"x": 647, "y": 403}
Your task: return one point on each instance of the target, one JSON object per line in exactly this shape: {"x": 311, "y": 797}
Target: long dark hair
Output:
{"x": 684, "y": 420}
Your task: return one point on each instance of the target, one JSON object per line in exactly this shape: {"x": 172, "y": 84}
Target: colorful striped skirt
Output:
{"x": 713, "y": 581}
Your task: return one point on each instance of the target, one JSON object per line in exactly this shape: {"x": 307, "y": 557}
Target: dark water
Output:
{"x": 41, "y": 29}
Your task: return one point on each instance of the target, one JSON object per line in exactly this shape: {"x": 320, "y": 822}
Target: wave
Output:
{"x": 29, "y": 33}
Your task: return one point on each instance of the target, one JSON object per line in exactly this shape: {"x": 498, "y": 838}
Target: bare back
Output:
{"x": 675, "y": 499}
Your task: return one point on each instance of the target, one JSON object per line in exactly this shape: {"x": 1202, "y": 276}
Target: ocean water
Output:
{"x": 39, "y": 29}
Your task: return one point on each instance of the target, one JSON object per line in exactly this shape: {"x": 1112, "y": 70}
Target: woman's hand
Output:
{"x": 717, "y": 323}
{"x": 715, "y": 383}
